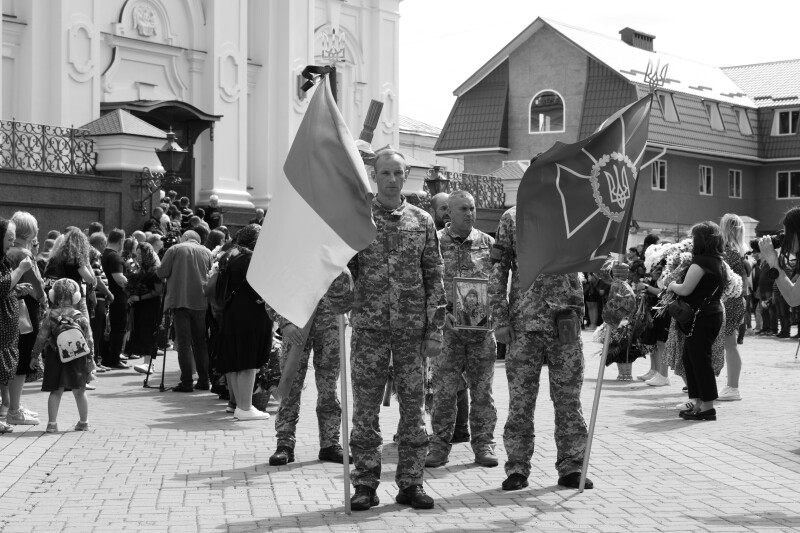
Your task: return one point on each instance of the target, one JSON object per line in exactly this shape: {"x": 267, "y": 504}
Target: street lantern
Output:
{"x": 437, "y": 180}
{"x": 171, "y": 156}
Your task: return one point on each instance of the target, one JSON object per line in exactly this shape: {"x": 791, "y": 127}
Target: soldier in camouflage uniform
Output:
{"x": 525, "y": 319}
{"x": 440, "y": 211}
{"x": 323, "y": 338}
{"x": 397, "y": 316}
{"x": 465, "y": 250}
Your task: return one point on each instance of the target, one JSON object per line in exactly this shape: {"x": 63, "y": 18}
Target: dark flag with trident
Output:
{"x": 575, "y": 203}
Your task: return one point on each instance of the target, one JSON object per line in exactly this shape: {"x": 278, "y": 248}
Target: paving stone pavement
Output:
{"x": 175, "y": 462}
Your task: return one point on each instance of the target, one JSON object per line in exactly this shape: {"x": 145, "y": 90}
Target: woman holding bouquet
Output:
{"x": 702, "y": 289}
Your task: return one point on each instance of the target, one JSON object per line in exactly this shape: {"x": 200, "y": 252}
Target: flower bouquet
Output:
{"x": 268, "y": 376}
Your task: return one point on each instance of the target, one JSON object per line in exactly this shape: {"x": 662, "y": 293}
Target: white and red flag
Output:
{"x": 320, "y": 215}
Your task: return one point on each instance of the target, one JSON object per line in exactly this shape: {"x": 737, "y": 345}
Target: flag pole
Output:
{"x": 597, "y": 389}
{"x": 345, "y": 415}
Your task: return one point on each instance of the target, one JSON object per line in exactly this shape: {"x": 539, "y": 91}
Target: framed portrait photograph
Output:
{"x": 471, "y": 304}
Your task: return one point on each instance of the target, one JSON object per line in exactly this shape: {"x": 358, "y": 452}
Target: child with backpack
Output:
{"x": 62, "y": 336}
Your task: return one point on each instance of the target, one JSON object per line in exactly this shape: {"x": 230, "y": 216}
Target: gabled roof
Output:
{"x": 417, "y": 127}
{"x": 120, "y": 122}
{"x": 683, "y": 75}
{"x": 769, "y": 84}
{"x": 512, "y": 171}
{"x": 479, "y": 118}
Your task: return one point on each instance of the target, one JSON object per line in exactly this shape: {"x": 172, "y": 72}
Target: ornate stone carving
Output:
{"x": 80, "y": 37}
{"x": 229, "y": 77}
{"x": 144, "y": 20}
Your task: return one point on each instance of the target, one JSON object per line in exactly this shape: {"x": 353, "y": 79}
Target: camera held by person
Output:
{"x": 777, "y": 242}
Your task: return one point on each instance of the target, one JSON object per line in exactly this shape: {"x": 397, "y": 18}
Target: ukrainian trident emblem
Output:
{"x": 615, "y": 167}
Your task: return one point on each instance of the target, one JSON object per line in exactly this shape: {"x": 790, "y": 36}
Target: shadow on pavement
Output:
{"x": 767, "y": 520}
{"x": 494, "y": 498}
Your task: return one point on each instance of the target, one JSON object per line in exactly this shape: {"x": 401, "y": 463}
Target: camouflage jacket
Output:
{"x": 337, "y": 301}
{"x": 534, "y": 309}
{"x": 464, "y": 258}
{"x": 398, "y": 278}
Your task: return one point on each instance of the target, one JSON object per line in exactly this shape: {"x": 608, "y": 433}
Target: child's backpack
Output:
{"x": 70, "y": 341}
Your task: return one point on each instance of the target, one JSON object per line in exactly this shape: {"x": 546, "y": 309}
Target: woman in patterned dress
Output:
{"x": 9, "y": 309}
{"x": 732, "y": 230}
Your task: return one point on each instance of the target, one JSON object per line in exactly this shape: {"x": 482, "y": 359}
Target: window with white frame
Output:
{"x": 524, "y": 162}
{"x": 789, "y": 184}
{"x": 546, "y": 113}
{"x": 743, "y": 121}
{"x": 667, "y": 104}
{"x": 734, "y": 183}
{"x": 706, "y": 180}
{"x": 785, "y": 122}
{"x": 659, "y": 176}
{"x": 714, "y": 116}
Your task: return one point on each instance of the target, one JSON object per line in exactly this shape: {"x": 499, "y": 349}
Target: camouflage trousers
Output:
{"x": 372, "y": 353}
{"x": 474, "y": 352}
{"x": 565, "y": 369}
{"x": 325, "y": 344}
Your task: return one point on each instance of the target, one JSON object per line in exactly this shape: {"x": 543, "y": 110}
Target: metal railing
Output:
{"x": 487, "y": 190}
{"x": 42, "y": 148}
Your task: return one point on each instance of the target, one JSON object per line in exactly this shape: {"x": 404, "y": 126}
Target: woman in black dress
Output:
{"x": 144, "y": 297}
{"x": 244, "y": 339}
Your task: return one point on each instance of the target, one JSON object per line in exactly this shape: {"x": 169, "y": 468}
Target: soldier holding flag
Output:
{"x": 527, "y": 320}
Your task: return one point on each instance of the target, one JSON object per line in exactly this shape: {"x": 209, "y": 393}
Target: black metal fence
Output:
{"x": 42, "y": 148}
{"x": 487, "y": 190}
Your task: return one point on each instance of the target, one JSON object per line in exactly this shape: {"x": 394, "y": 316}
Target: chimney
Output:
{"x": 637, "y": 39}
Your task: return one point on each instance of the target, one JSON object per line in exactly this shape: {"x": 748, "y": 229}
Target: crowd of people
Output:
{"x": 91, "y": 302}
{"x": 123, "y": 289}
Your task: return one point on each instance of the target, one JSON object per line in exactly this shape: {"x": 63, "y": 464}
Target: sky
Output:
{"x": 443, "y": 42}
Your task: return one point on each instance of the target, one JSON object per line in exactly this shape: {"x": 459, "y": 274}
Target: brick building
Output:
{"x": 729, "y": 135}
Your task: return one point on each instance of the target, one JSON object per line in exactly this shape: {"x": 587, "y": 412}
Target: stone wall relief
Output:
{"x": 389, "y": 99}
{"x": 229, "y": 84}
{"x": 145, "y": 19}
{"x": 80, "y": 45}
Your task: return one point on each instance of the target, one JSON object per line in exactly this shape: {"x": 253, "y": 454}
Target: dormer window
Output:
{"x": 714, "y": 116}
{"x": 667, "y": 105}
{"x": 785, "y": 122}
{"x": 546, "y": 113}
{"x": 743, "y": 120}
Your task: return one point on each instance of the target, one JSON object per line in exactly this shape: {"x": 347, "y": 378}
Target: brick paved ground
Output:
{"x": 176, "y": 462}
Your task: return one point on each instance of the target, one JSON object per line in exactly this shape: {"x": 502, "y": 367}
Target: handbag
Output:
{"x": 25, "y": 324}
{"x": 685, "y": 315}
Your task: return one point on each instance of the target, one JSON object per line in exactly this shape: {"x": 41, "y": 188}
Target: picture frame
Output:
{"x": 471, "y": 304}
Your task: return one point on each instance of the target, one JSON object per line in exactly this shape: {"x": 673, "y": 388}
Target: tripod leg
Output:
{"x": 164, "y": 361}
{"x": 796, "y": 351}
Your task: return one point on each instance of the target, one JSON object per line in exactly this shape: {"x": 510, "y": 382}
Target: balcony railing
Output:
{"x": 42, "y": 148}
{"x": 487, "y": 190}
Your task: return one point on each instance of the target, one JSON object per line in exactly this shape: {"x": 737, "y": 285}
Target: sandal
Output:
{"x": 52, "y": 427}
{"x": 5, "y": 428}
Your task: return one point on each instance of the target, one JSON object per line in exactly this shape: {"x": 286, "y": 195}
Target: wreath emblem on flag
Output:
{"x": 617, "y": 180}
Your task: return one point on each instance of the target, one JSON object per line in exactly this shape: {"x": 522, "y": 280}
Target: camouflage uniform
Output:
{"x": 399, "y": 302}
{"x": 531, "y": 315}
{"x": 323, "y": 338}
{"x": 473, "y": 351}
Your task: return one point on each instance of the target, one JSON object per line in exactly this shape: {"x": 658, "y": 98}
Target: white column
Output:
{"x": 223, "y": 162}
{"x": 289, "y": 35}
